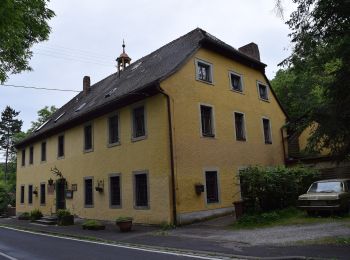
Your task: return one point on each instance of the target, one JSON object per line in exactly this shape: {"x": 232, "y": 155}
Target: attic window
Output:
{"x": 110, "y": 93}
{"x": 136, "y": 66}
{"x": 59, "y": 117}
{"x": 204, "y": 71}
{"x": 80, "y": 107}
{"x": 36, "y": 130}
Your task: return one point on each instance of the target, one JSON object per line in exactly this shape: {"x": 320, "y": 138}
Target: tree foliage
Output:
{"x": 43, "y": 115}
{"x": 320, "y": 59}
{"x": 23, "y": 23}
{"x": 10, "y": 126}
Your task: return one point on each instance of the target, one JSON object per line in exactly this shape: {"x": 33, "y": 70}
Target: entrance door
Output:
{"x": 60, "y": 194}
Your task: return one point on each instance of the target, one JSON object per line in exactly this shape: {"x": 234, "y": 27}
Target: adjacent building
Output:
{"x": 161, "y": 140}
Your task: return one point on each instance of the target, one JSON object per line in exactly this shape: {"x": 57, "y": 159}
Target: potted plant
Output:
{"x": 35, "y": 191}
{"x": 50, "y": 181}
{"x": 93, "y": 225}
{"x": 35, "y": 214}
{"x": 124, "y": 223}
{"x": 65, "y": 218}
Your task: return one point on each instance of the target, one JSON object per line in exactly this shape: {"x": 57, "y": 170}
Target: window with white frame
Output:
{"x": 204, "y": 71}
{"x": 267, "y": 130}
{"x": 240, "y": 126}
{"x": 263, "y": 91}
{"x": 236, "y": 82}
{"x": 207, "y": 121}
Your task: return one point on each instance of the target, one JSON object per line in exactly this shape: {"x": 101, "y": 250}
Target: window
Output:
{"x": 211, "y": 183}
{"x": 204, "y": 71}
{"x": 60, "y": 146}
{"x": 267, "y": 131}
{"x": 88, "y": 192}
{"x": 42, "y": 194}
{"x": 207, "y": 121}
{"x": 239, "y": 126}
{"x": 43, "y": 151}
{"x": 139, "y": 129}
{"x": 114, "y": 184}
{"x": 30, "y": 194}
{"x": 31, "y": 155}
{"x": 141, "y": 190}
{"x": 23, "y": 157}
{"x": 22, "y": 194}
{"x": 263, "y": 92}
{"x": 113, "y": 129}
{"x": 88, "y": 137}
{"x": 236, "y": 82}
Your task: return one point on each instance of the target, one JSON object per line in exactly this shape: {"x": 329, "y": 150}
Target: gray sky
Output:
{"x": 86, "y": 38}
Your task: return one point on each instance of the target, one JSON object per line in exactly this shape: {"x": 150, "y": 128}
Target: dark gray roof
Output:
{"x": 142, "y": 73}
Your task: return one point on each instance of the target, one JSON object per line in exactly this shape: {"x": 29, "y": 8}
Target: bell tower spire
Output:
{"x": 123, "y": 60}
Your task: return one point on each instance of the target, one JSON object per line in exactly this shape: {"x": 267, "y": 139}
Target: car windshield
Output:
{"x": 331, "y": 186}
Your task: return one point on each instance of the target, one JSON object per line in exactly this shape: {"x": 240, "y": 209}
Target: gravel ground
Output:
{"x": 280, "y": 235}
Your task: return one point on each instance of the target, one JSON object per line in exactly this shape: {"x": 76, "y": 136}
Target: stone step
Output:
{"x": 46, "y": 221}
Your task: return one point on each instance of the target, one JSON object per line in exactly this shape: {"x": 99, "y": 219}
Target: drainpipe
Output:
{"x": 173, "y": 193}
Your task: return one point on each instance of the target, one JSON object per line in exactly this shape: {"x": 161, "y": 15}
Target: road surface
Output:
{"x": 16, "y": 244}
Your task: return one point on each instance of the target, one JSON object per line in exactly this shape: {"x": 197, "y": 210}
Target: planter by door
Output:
{"x": 124, "y": 226}
{"x": 66, "y": 220}
{"x": 60, "y": 194}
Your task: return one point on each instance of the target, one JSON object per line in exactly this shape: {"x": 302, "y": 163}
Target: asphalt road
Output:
{"x": 22, "y": 245}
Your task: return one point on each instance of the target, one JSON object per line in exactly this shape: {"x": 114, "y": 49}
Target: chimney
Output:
{"x": 86, "y": 85}
{"x": 251, "y": 49}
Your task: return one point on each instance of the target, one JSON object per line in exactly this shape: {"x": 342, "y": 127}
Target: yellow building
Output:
{"x": 161, "y": 140}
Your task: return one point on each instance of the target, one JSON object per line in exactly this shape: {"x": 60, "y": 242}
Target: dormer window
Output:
{"x": 263, "y": 91}
{"x": 204, "y": 71}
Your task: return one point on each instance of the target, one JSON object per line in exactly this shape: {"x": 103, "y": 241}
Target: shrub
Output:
{"x": 24, "y": 216}
{"x": 36, "y": 214}
{"x": 93, "y": 225}
{"x": 269, "y": 188}
{"x": 123, "y": 219}
{"x": 63, "y": 213}
{"x": 5, "y": 198}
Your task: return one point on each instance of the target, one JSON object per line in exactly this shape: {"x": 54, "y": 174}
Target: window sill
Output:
{"x": 265, "y": 100}
{"x": 88, "y": 151}
{"x": 208, "y": 136}
{"x": 206, "y": 82}
{"x": 42, "y": 162}
{"x": 136, "y": 139}
{"x": 241, "y": 140}
{"x": 109, "y": 145}
{"x": 141, "y": 208}
{"x": 237, "y": 91}
{"x": 88, "y": 206}
{"x": 268, "y": 142}
{"x": 60, "y": 157}
{"x": 42, "y": 205}
{"x": 213, "y": 203}
{"x": 115, "y": 207}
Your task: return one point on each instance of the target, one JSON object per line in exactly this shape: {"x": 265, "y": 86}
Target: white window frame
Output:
{"x": 244, "y": 126}
{"x": 211, "y": 78}
{"x": 270, "y": 126}
{"x": 241, "y": 79}
{"x": 267, "y": 91}
{"x": 213, "y": 120}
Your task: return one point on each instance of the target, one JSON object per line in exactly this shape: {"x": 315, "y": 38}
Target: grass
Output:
{"x": 289, "y": 216}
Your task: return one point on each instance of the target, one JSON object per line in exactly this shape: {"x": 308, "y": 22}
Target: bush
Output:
{"x": 123, "y": 219}
{"x": 5, "y": 198}
{"x": 36, "y": 214}
{"x": 24, "y": 216}
{"x": 63, "y": 213}
{"x": 93, "y": 225}
{"x": 270, "y": 188}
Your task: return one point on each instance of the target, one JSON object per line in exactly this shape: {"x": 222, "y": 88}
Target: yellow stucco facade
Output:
{"x": 193, "y": 154}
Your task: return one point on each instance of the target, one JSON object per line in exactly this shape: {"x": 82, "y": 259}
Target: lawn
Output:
{"x": 290, "y": 216}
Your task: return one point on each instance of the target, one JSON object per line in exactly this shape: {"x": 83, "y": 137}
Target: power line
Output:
{"x": 37, "y": 88}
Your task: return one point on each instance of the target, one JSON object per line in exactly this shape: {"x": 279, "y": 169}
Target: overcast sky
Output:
{"x": 87, "y": 35}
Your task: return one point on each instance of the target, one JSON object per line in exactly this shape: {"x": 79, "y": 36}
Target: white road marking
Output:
{"x": 113, "y": 245}
{"x": 7, "y": 256}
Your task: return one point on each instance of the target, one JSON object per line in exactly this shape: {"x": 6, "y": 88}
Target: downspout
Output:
{"x": 171, "y": 144}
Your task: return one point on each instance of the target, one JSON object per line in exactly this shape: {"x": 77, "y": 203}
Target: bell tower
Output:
{"x": 123, "y": 60}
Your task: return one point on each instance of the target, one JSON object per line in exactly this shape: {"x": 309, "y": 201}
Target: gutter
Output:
{"x": 171, "y": 144}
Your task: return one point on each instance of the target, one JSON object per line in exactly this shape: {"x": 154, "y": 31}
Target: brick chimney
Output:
{"x": 251, "y": 49}
{"x": 86, "y": 85}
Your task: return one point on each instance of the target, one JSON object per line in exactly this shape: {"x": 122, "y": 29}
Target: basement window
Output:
{"x": 30, "y": 194}
{"x": 267, "y": 131}
{"x": 240, "y": 126}
{"x": 211, "y": 184}
{"x": 141, "y": 190}
{"x": 114, "y": 184}
{"x": 207, "y": 125}
{"x": 204, "y": 71}
{"x": 88, "y": 198}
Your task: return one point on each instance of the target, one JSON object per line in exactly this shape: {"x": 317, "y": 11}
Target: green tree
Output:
{"x": 43, "y": 115}
{"x": 23, "y": 23}
{"x": 10, "y": 126}
{"x": 321, "y": 39}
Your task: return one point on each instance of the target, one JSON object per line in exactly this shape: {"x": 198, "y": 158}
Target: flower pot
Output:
{"x": 124, "y": 226}
{"x": 66, "y": 220}
{"x": 239, "y": 209}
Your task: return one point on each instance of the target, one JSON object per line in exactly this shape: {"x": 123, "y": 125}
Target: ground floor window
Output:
{"x": 114, "y": 184}
{"x": 88, "y": 185}
{"x": 30, "y": 194}
{"x": 22, "y": 194}
{"x": 42, "y": 194}
{"x": 141, "y": 190}
{"x": 211, "y": 183}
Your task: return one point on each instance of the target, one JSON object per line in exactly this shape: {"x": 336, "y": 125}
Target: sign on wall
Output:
{"x": 69, "y": 194}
